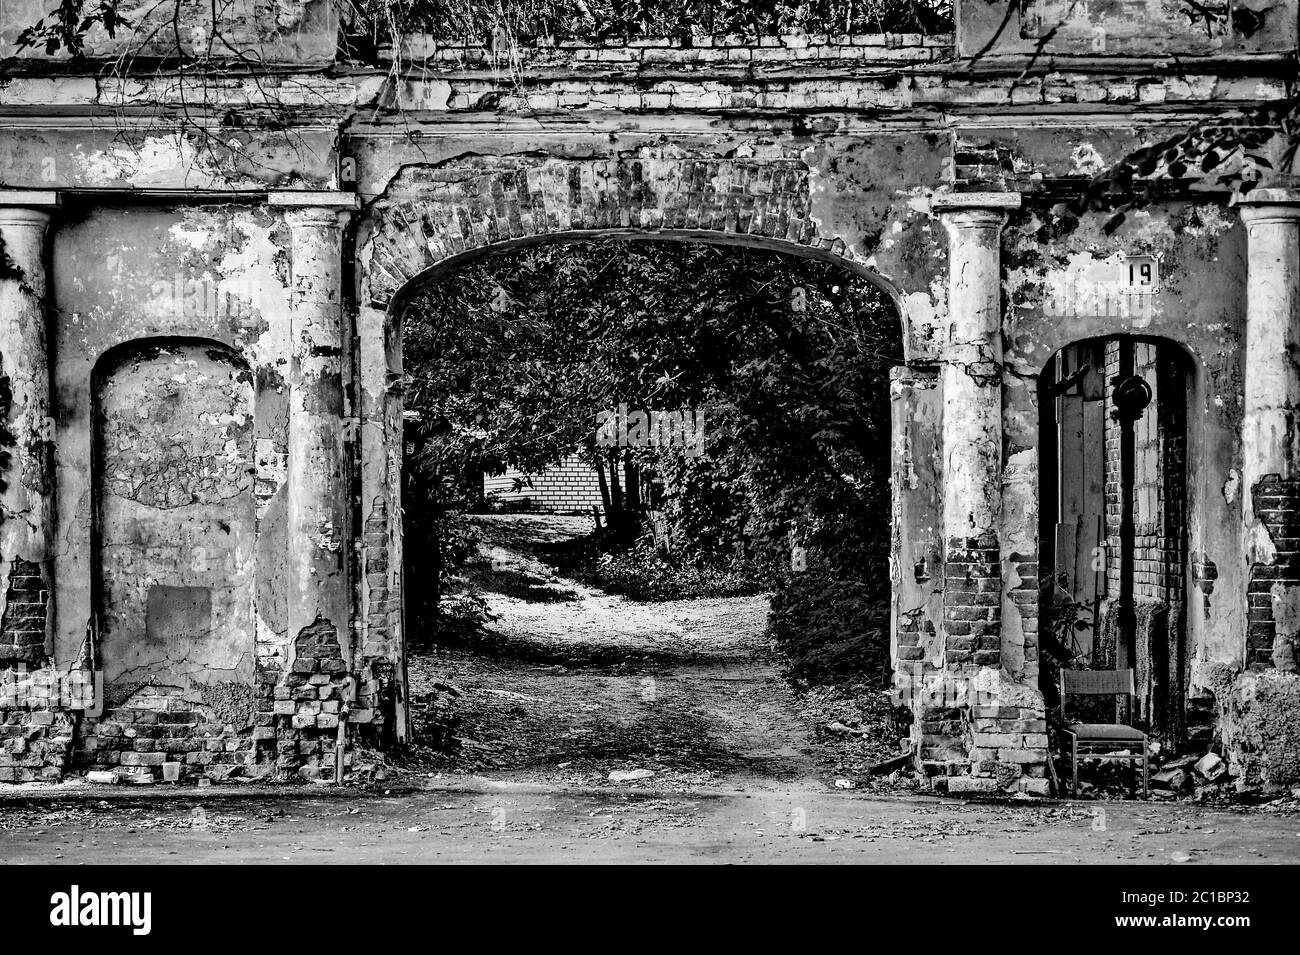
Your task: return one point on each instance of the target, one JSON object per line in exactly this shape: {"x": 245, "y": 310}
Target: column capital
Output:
{"x": 313, "y": 207}
{"x": 1272, "y": 196}
{"x": 19, "y": 207}
{"x": 29, "y": 199}
{"x": 1269, "y": 205}
{"x": 974, "y": 209}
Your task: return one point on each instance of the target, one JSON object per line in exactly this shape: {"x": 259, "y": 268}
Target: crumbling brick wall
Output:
{"x": 24, "y": 593}
{"x": 1273, "y": 625}
{"x": 972, "y": 601}
{"x": 170, "y": 736}
{"x": 35, "y": 745}
{"x": 310, "y": 701}
{"x": 437, "y": 213}
{"x": 26, "y": 609}
{"x": 38, "y": 719}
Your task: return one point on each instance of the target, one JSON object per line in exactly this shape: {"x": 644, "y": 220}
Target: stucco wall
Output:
{"x": 129, "y": 274}
{"x": 168, "y": 231}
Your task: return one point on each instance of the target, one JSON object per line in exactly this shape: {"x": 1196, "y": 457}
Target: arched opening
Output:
{"x": 830, "y": 253}
{"x": 173, "y": 521}
{"x": 694, "y": 337}
{"x": 1114, "y": 517}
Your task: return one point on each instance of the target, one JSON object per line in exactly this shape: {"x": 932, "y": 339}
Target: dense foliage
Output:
{"x": 372, "y": 23}
{"x": 509, "y": 361}
{"x": 553, "y": 20}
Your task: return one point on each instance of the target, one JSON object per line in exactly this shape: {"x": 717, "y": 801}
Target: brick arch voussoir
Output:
{"x": 754, "y": 199}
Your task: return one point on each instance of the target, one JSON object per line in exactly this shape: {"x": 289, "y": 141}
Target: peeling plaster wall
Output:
{"x": 172, "y": 345}
{"x": 1127, "y": 28}
{"x": 175, "y": 528}
{"x": 295, "y": 31}
{"x": 140, "y": 154}
{"x": 916, "y": 560}
{"x": 1057, "y": 294}
{"x": 129, "y": 274}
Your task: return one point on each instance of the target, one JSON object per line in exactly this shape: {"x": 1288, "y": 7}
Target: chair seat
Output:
{"x": 1105, "y": 732}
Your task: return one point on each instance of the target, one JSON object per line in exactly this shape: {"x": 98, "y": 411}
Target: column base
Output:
{"x": 980, "y": 731}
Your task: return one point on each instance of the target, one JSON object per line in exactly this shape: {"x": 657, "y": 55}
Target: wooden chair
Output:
{"x": 1110, "y": 741}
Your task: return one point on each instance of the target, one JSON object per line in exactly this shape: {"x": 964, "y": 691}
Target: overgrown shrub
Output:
{"x": 833, "y": 628}
{"x": 462, "y": 616}
{"x": 440, "y": 543}
{"x": 645, "y": 572}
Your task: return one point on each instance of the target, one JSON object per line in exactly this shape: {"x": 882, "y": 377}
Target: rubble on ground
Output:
{"x": 859, "y": 727}
{"x": 1192, "y": 777}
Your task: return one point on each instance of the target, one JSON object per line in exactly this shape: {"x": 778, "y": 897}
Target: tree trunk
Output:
{"x": 632, "y": 481}
{"x": 604, "y": 488}
{"x": 615, "y": 489}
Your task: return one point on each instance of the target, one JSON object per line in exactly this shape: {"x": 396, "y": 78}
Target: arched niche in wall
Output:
{"x": 174, "y": 521}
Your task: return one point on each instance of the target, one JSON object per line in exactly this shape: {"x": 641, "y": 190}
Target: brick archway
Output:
{"x": 431, "y": 217}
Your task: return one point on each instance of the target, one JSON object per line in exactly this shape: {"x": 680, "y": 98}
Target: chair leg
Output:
{"x": 1074, "y": 766}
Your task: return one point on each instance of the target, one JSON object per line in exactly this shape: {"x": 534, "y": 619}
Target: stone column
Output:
{"x": 318, "y": 586}
{"x": 971, "y": 379}
{"x": 1270, "y": 432}
{"x": 26, "y": 459}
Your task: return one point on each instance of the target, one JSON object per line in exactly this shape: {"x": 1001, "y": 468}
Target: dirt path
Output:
{"x": 572, "y": 683}
{"x": 482, "y": 821}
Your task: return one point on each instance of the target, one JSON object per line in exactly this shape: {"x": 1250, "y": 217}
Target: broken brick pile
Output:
{"x": 45, "y": 688}
{"x": 159, "y": 734}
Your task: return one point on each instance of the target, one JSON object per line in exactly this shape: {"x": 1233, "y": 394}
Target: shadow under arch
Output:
{"x": 123, "y": 351}
{"x": 397, "y": 302}
{"x": 1118, "y": 497}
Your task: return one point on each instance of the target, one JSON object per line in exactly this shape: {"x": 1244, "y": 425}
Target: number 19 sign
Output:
{"x": 1142, "y": 272}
